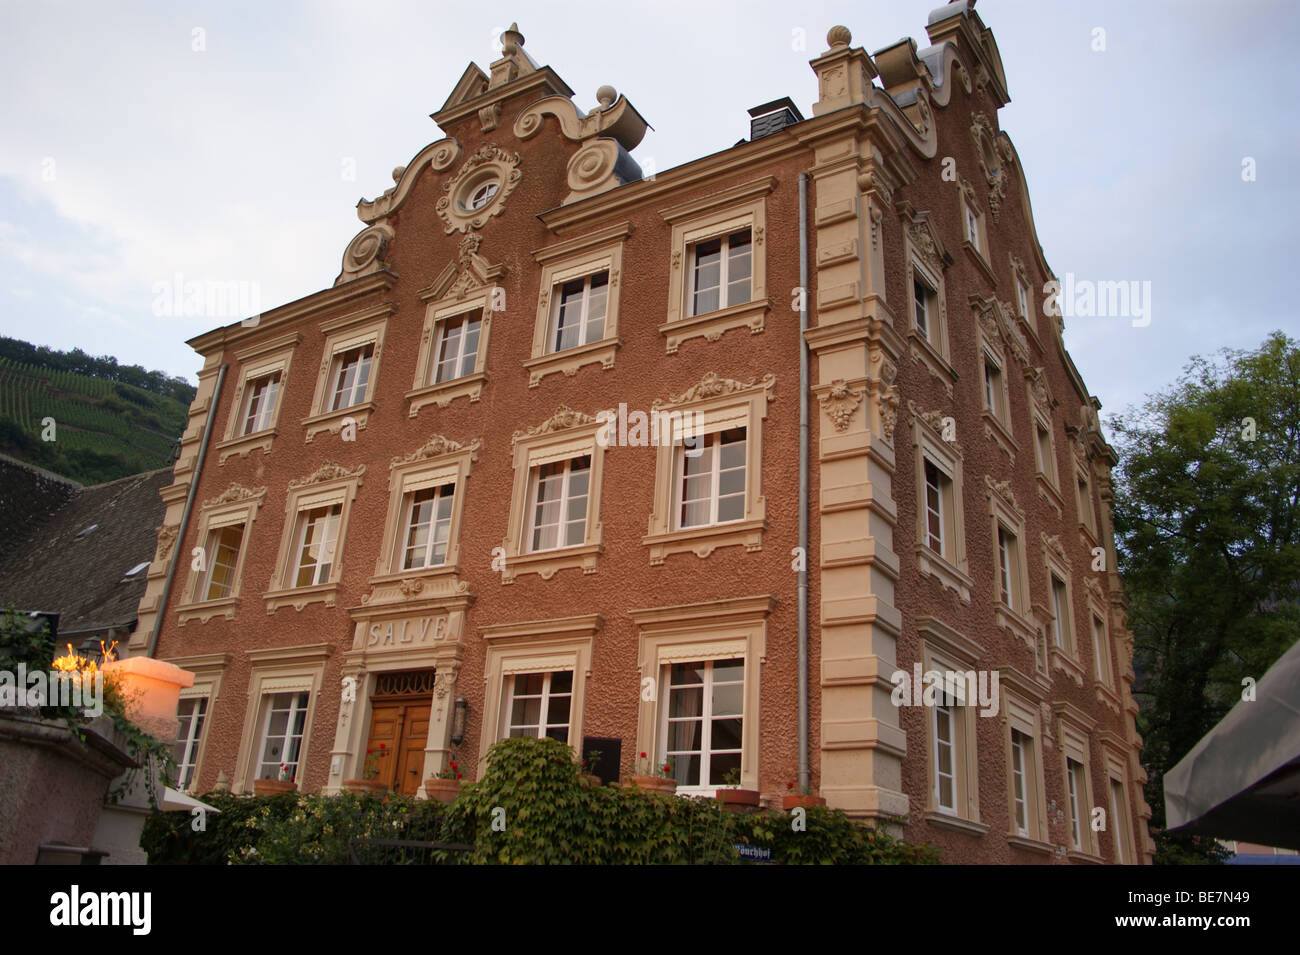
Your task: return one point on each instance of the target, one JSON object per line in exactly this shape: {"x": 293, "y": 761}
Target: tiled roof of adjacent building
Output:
{"x": 68, "y": 549}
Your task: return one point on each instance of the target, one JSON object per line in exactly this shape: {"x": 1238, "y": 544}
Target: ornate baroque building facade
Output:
{"x": 532, "y": 467}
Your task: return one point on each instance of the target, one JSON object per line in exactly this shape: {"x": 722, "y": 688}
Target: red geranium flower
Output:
{"x": 383, "y": 746}
{"x": 369, "y": 751}
{"x": 458, "y": 775}
{"x": 643, "y": 755}
{"x": 789, "y": 785}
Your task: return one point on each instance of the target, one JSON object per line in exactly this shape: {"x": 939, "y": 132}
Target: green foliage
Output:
{"x": 104, "y": 429}
{"x": 549, "y": 817}
{"x": 1207, "y": 526}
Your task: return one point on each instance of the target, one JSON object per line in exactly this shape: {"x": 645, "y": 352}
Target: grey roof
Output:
{"x": 52, "y": 564}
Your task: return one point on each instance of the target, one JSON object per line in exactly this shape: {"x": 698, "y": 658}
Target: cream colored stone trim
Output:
{"x": 488, "y": 163}
{"x": 330, "y": 484}
{"x": 533, "y": 647}
{"x": 366, "y": 327}
{"x": 951, "y": 569}
{"x": 566, "y": 434}
{"x": 713, "y": 630}
{"x": 238, "y": 505}
{"x": 923, "y": 251}
{"x": 715, "y": 404}
{"x": 257, "y": 361}
{"x": 699, "y": 220}
{"x": 423, "y": 393}
{"x": 600, "y": 251}
{"x": 438, "y": 461}
{"x": 1102, "y": 654}
{"x": 278, "y": 670}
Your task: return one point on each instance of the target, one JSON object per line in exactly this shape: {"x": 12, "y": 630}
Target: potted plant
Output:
{"x": 734, "y": 798}
{"x": 369, "y": 781}
{"x": 803, "y": 799}
{"x": 585, "y": 774}
{"x": 274, "y": 787}
{"x": 655, "y": 777}
{"x": 445, "y": 786}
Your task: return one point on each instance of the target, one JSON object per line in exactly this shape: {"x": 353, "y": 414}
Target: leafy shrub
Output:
{"x": 530, "y": 808}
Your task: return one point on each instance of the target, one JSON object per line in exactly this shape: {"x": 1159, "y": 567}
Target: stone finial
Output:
{"x": 222, "y": 785}
{"x": 511, "y": 40}
{"x": 838, "y": 36}
{"x": 397, "y": 172}
{"x": 606, "y": 95}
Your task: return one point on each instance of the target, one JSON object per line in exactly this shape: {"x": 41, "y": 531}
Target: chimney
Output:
{"x": 767, "y": 119}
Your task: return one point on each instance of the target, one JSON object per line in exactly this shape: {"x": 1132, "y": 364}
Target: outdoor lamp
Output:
{"x": 458, "y": 721}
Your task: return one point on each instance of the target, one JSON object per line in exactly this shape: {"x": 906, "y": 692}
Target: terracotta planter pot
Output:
{"x": 273, "y": 787}
{"x": 442, "y": 790}
{"x": 587, "y": 779}
{"x": 361, "y": 787}
{"x": 657, "y": 784}
{"x": 738, "y": 800}
{"x": 801, "y": 802}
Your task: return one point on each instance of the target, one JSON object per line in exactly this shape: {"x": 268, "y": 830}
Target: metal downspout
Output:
{"x": 185, "y": 516}
{"x": 804, "y": 773}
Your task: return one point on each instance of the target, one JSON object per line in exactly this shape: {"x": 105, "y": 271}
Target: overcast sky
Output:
{"x": 129, "y": 158}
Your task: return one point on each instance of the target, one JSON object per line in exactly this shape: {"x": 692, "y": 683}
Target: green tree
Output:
{"x": 1207, "y": 522}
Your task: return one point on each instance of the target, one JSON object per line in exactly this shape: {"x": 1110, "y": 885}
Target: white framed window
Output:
{"x": 721, "y": 272}
{"x": 259, "y": 403}
{"x": 940, "y": 537}
{"x": 428, "y": 526}
{"x": 317, "y": 536}
{"x": 1044, "y": 453}
{"x": 535, "y": 676}
{"x": 1078, "y": 796}
{"x": 938, "y": 508}
{"x": 554, "y": 520}
{"x": 224, "y": 527}
{"x": 711, "y": 480}
{"x": 558, "y": 504}
{"x": 1060, "y": 614}
{"x": 190, "y": 716}
{"x": 222, "y": 553}
{"x": 1084, "y": 500}
{"x": 579, "y": 312}
{"x": 349, "y": 368}
{"x": 482, "y": 195}
{"x": 704, "y": 658}
{"x": 350, "y": 377}
{"x": 994, "y": 388}
{"x": 972, "y": 228}
{"x": 317, "y": 511}
{"x": 945, "y": 770}
{"x": 925, "y": 309}
{"x": 456, "y": 353}
{"x": 1009, "y": 569}
{"x": 258, "y": 397}
{"x": 539, "y": 705}
{"x": 283, "y": 724}
{"x": 1022, "y": 301}
{"x": 717, "y": 277}
{"x": 1020, "y": 751}
{"x": 707, "y": 490}
{"x": 703, "y": 723}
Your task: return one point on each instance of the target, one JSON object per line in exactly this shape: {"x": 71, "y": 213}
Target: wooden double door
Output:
{"x": 399, "y": 730}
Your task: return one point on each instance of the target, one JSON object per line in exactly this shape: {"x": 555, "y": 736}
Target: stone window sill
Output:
{"x": 245, "y": 444}
{"x": 444, "y": 392}
{"x": 299, "y": 597}
{"x": 332, "y": 421}
{"x": 711, "y": 325}
{"x": 570, "y": 360}
{"x": 703, "y": 541}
